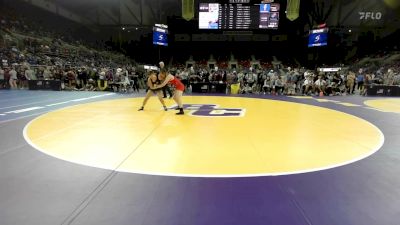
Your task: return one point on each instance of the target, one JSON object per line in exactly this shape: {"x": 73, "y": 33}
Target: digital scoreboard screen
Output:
{"x": 239, "y": 15}
{"x": 160, "y": 36}
{"x": 318, "y": 37}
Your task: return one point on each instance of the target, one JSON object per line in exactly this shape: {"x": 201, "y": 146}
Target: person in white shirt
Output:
{"x": 291, "y": 88}
{"x": 271, "y": 73}
{"x": 29, "y": 74}
{"x": 308, "y": 85}
{"x": 320, "y": 85}
{"x": 47, "y": 74}
{"x": 278, "y": 87}
{"x": 247, "y": 89}
{"x": 267, "y": 85}
{"x": 166, "y": 87}
{"x": 249, "y": 78}
{"x": 124, "y": 83}
{"x": 184, "y": 75}
{"x": 240, "y": 77}
{"x": 13, "y": 79}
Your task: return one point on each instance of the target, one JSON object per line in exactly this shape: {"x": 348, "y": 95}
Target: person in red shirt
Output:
{"x": 179, "y": 88}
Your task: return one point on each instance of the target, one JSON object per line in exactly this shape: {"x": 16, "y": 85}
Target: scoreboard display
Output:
{"x": 318, "y": 37}
{"x": 238, "y": 15}
{"x": 160, "y": 35}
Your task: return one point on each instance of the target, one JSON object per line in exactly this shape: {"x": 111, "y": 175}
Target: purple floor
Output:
{"x": 38, "y": 189}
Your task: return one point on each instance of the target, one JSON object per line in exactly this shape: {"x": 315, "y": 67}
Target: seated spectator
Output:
{"x": 124, "y": 83}
{"x": 291, "y": 88}
{"x": 308, "y": 85}
{"x": 102, "y": 82}
{"x": 278, "y": 87}
{"x": 267, "y": 85}
{"x": 247, "y": 89}
{"x": 90, "y": 85}
{"x": 250, "y": 79}
{"x": 320, "y": 86}
{"x": 389, "y": 77}
{"x": 396, "y": 80}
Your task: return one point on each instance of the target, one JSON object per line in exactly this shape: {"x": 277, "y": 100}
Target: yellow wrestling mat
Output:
{"x": 217, "y": 137}
{"x": 385, "y": 105}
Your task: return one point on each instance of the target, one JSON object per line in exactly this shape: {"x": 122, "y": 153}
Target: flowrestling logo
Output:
{"x": 370, "y": 15}
{"x": 212, "y": 110}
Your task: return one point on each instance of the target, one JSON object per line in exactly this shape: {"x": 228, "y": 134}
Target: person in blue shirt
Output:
{"x": 360, "y": 80}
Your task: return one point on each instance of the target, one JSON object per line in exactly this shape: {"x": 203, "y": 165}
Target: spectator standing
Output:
{"x": 13, "y": 78}
{"x": 166, "y": 87}
{"x": 360, "y": 80}
{"x": 2, "y": 78}
{"x": 351, "y": 77}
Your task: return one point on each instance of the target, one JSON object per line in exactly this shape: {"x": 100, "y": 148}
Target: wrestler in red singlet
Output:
{"x": 179, "y": 88}
{"x": 177, "y": 83}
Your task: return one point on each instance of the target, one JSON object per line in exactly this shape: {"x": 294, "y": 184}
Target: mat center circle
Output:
{"x": 217, "y": 137}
